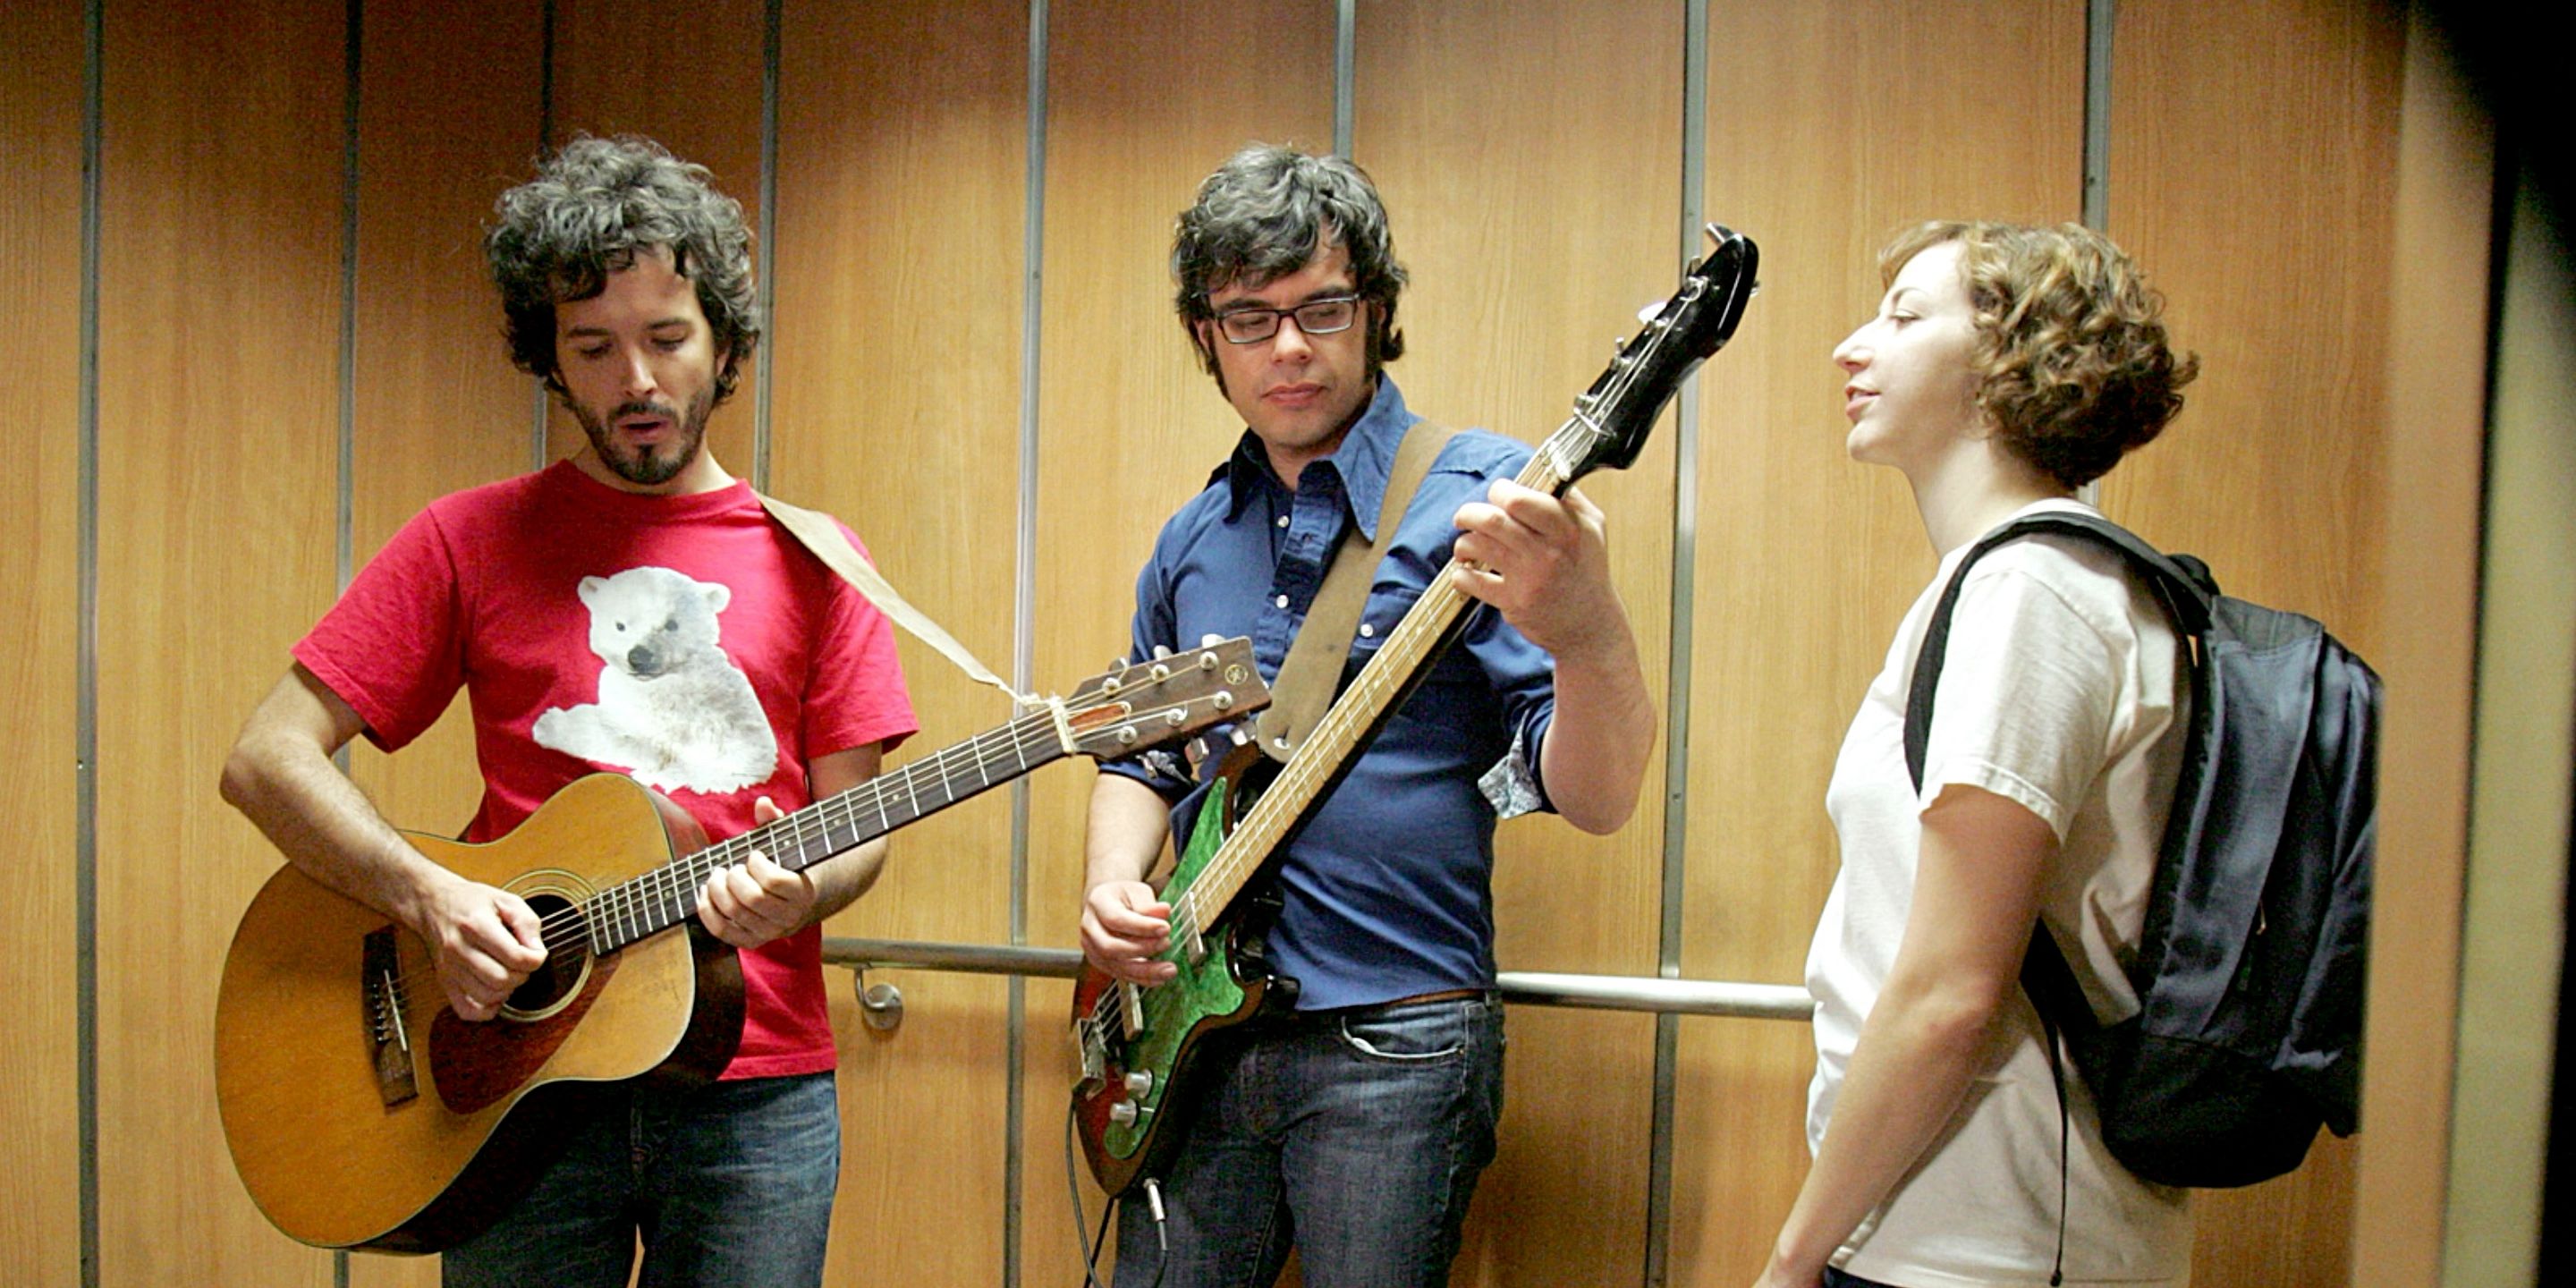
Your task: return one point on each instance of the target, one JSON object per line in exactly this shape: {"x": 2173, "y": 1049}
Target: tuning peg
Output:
{"x": 1647, "y": 314}
{"x": 1162, "y": 651}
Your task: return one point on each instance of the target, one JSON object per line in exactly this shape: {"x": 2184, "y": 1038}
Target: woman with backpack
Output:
{"x": 2006, "y": 367}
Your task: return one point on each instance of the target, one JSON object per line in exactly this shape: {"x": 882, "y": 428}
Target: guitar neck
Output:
{"x": 1345, "y": 729}
{"x": 668, "y": 895}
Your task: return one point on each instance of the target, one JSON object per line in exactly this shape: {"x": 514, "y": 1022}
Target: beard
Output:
{"x": 653, "y": 465}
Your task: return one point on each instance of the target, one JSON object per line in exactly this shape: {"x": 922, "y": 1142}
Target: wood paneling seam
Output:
{"x": 1024, "y": 631}
{"x": 770, "y": 39}
{"x": 1346, "y": 40}
{"x": 85, "y": 771}
{"x": 1657, "y": 1268}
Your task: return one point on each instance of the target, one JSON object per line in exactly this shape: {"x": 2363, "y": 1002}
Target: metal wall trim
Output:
{"x": 1678, "y": 661}
{"x": 1346, "y": 35}
{"x": 1653, "y": 994}
{"x": 545, "y": 140}
{"x": 1024, "y": 579}
{"x": 85, "y": 738}
{"x": 344, "y": 518}
{"x": 2100, "y": 16}
{"x": 770, "y": 42}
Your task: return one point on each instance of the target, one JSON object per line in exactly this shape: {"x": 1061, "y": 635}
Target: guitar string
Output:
{"x": 1549, "y": 469}
{"x": 1242, "y": 852}
{"x": 1237, "y": 857}
{"x": 1340, "y": 724}
{"x": 1028, "y": 742}
{"x": 631, "y": 905}
{"x": 1548, "y": 459}
{"x": 663, "y": 887}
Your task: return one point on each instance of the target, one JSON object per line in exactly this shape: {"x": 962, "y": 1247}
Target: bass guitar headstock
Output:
{"x": 1141, "y": 704}
{"x": 1613, "y": 417}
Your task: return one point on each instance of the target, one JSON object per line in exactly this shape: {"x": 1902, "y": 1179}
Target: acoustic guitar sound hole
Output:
{"x": 567, "y": 964}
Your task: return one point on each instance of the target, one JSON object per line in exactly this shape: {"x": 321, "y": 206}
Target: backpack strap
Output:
{"x": 1312, "y": 672}
{"x": 2184, "y": 587}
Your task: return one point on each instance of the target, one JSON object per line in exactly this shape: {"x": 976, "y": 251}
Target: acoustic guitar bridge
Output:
{"x": 388, "y": 1037}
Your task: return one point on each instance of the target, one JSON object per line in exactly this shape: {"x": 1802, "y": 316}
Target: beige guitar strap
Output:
{"x": 1312, "y": 672}
{"x": 829, "y": 544}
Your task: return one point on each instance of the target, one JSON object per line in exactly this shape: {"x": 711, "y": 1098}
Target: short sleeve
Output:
{"x": 390, "y": 647}
{"x": 2028, "y": 689}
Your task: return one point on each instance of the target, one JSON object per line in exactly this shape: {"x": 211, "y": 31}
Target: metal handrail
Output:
{"x": 1540, "y": 988}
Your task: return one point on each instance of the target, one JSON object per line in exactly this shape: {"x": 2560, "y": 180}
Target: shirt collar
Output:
{"x": 1362, "y": 462}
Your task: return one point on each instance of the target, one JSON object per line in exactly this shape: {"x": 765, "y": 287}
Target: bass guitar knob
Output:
{"x": 1123, "y": 1113}
{"x": 1140, "y": 1084}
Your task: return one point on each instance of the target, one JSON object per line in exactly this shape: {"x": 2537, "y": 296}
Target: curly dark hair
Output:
{"x": 1267, "y": 211}
{"x": 2074, "y": 370}
{"x": 594, "y": 205}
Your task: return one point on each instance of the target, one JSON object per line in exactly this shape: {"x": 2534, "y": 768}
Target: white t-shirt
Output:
{"x": 2059, "y": 693}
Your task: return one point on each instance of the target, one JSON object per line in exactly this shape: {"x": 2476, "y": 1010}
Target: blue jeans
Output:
{"x": 1355, "y": 1135}
{"x": 727, "y": 1184}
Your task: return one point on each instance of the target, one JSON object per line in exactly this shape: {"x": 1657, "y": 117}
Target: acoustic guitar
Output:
{"x": 1139, "y": 1045}
{"x": 362, "y": 1113}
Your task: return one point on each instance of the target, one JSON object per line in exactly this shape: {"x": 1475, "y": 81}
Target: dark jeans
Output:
{"x": 728, "y": 1184}
{"x": 1355, "y": 1135}
{"x": 1837, "y": 1279}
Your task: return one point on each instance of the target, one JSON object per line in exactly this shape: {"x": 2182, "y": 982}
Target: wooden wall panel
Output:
{"x": 690, "y": 79}
{"x": 1829, "y": 128}
{"x": 218, "y": 329}
{"x": 40, "y": 268}
{"x": 1129, "y": 424}
{"x": 896, "y": 405}
{"x": 438, "y": 407}
{"x": 2433, "y": 476}
{"x": 2253, "y": 159}
{"x": 2253, "y": 163}
{"x": 1530, "y": 158}
{"x": 448, "y": 119}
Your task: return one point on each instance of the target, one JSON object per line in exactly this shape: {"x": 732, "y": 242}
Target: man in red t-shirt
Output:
{"x": 632, "y": 609}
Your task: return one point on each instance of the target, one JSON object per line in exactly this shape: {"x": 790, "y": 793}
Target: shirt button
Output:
{"x": 1367, "y": 631}
{"x": 1282, "y": 520}
{"x": 1282, "y": 601}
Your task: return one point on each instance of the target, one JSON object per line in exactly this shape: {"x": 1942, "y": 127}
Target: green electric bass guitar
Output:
{"x": 1138, "y": 1044}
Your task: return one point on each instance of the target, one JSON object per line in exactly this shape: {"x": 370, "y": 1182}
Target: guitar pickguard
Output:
{"x": 1138, "y": 1045}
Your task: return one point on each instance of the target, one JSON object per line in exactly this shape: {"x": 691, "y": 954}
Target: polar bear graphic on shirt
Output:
{"x": 673, "y": 711}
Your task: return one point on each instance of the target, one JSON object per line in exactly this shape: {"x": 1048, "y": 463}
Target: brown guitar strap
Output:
{"x": 824, "y": 537}
{"x": 1311, "y": 674}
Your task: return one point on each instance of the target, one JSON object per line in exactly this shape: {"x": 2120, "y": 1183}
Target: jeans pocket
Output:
{"x": 1414, "y": 1035}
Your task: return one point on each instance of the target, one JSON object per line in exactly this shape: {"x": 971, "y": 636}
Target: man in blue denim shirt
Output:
{"x": 1356, "y": 1129}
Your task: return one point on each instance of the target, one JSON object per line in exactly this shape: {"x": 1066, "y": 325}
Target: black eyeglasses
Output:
{"x": 1314, "y": 317}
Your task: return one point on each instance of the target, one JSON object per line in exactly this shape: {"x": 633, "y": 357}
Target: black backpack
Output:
{"x": 2250, "y": 969}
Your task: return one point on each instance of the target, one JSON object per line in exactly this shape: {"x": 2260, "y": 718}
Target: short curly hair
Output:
{"x": 1267, "y": 211}
{"x": 2074, "y": 369}
{"x": 594, "y": 205}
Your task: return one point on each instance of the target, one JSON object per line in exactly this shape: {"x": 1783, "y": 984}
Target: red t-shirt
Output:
{"x": 686, "y": 640}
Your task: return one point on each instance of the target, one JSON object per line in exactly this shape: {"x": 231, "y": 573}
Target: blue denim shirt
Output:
{"x": 1388, "y": 891}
